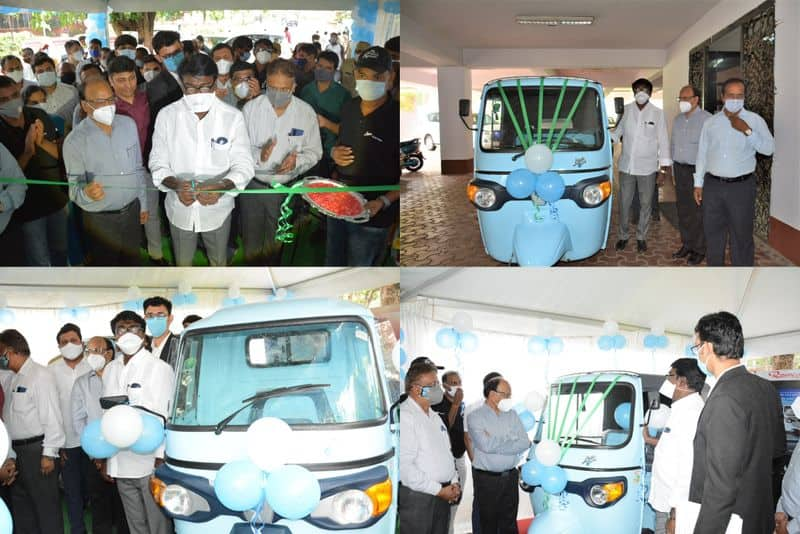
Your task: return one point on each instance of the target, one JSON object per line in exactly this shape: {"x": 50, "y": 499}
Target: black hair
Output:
{"x": 165, "y": 38}
{"x": 448, "y": 374}
{"x": 109, "y": 343}
{"x": 96, "y": 40}
{"x": 150, "y": 58}
{"x": 688, "y": 369}
{"x": 415, "y": 371}
{"x": 121, "y": 64}
{"x": 41, "y": 59}
{"x": 242, "y": 42}
{"x": 281, "y": 66}
{"x": 308, "y": 48}
{"x": 188, "y": 46}
{"x": 731, "y": 81}
{"x": 5, "y": 81}
{"x": 71, "y": 44}
{"x": 125, "y": 39}
{"x": 28, "y": 92}
{"x": 221, "y": 46}
{"x": 241, "y": 65}
{"x": 643, "y": 81}
{"x": 724, "y": 332}
{"x": 27, "y": 48}
{"x": 318, "y": 47}
{"x": 6, "y": 59}
{"x": 15, "y": 341}
{"x": 200, "y": 38}
{"x": 157, "y": 301}
{"x": 332, "y": 57}
{"x": 491, "y": 385}
{"x": 127, "y": 315}
{"x": 490, "y": 376}
{"x": 69, "y": 327}
{"x": 192, "y": 318}
{"x": 393, "y": 44}
{"x": 198, "y": 65}
{"x": 263, "y": 41}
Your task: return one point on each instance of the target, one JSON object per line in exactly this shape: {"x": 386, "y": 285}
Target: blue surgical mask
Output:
{"x": 734, "y": 106}
{"x": 370, "y": 90}
{"x": 4, "y": 361}
{"x": 244, "y": 56}
{"x": 703, "y": 367}
{"x": 172, "y": 63}
{"x": 157, "y": 325}
{"x": 94, "y": 53}
{"x": 128, "y": 53}
{"x": 301, "y": 63}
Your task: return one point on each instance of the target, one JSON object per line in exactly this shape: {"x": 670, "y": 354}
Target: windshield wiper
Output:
{"x": 266, "y": 394}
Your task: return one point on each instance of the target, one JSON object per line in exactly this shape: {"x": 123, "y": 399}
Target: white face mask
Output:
{"x": 734, "y": 106}
{"x": 200, "y": 102}
{"x": 47, "y": 78}
{"x": 263, "y": 57}
{"x": 667, "y": 388}
{"x": 70, "y": 351}
{"x": 105, "y": 115}
{"x": 77, "y": 56}
{"x": 505, "y": 405}
{"x": 224, "y": 66}
{"x": 685, "y": 106}
{"x": 242, "y": 90}
{"x": 15, "y": 75}
{"x": 96, "y": 361}
{"x": 129, "y": 343}
{"x": 149, "y": 75}
{"x": 451, "y": 390}
{"x": 642, "y": 98}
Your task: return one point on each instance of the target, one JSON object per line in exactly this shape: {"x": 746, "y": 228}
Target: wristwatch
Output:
{"x": 386, "y": 201}
{"x": 748, "y": 132}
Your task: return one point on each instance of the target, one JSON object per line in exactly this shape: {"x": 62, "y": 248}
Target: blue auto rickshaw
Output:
{"x": 597, "y": 419}
{"x": 317, "y": 365}
{"x": 568, "y": 116}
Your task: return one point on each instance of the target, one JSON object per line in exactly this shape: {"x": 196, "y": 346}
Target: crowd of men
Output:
{"x": 711, "y": 160}
{"x": 46, "y": 408}
{"x": 722, "y": 449}
{"x": 132, "y": 145}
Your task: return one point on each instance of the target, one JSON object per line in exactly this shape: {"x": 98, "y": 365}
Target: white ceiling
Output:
{"x": 155, "y": 5}
{"x": 618, "y": 23}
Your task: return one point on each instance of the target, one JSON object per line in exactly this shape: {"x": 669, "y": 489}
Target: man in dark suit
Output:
{"x": 165, "y": 89}
{"x": 740, "y": 437}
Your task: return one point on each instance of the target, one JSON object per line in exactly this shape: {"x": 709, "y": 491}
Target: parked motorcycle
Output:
{"x": 411, "y": 157}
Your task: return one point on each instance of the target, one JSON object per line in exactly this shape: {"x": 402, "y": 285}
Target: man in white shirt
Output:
{"x": 285, "y": 139}
{"x": 645, "y": 147}
{"x": 61, "y": 98}
{"x": 33, "y": 419}
{"x": 201, "y": 158}
{"x": 428, "y": 478}
{"x": 335, "y": 47}
{"x": 674, "y": 450}
{"x": 787, "y": 513}
{"x": 148, "y": 382}
{"x": 74, "y": 462}
{"x": 158, "y": 316}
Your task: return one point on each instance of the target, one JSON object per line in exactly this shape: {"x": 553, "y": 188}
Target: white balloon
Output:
{"x": 121, "y": 426}
{"x": 5, "y": 443}
{"x": 546, "y": 327}
{"x": 658, "y": 418}
{"x": 610, "y": 327}
{"x": 269, "y": 443}
{"x": 534, "y": 402}
{"x": 538, "y": 158}
{"x": 548, "y": 452}
{"x": 462, "y": 321}
{"x": 657, "y": 329}
{"x": 233, "y": 291}
{"x": 134, "y": 293}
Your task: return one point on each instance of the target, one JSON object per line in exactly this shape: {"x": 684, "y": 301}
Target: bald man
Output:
{"x": 106, "y": 178}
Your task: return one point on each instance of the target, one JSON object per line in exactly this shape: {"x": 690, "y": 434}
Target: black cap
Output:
{"x": 376, "y": 58}
{"x": 424, "y": 359}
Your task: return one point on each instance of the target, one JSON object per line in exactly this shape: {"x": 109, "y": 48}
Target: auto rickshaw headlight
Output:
{"x": 603, "y": 494}
{"x": 483, "y": 197}
{"x": 177, "y": 500}
{"x": 595, "y": 194}
{"x": 351, "y": 507}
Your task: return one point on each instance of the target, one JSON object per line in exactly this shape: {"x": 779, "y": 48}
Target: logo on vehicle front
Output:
{"x": 579, "y": 162}
{"x": 589, "y": 460}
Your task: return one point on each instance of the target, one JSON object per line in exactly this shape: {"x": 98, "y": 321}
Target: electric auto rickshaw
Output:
{"x": 567, "y": 115}
{"x": 317, "y": 365}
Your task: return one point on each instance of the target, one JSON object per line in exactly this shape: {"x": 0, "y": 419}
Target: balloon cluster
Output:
{"x": 458, "y": 336}
{"x": 541, "y": 345}
{"x": 234, "y": 297}
{"x": 537, "y": 177}
{"x": 292, "y": 491}
{"x": 622, "y": 415}
{"x": 543, "y": 469}
{"x": 652, "y": 341}
{"x": 122, "y": 427}
{"x": 612, "y": 338}
{"x": 280, "y": 293}
{"x": 73, "y": 313}
{"x": 534, "y": 402}
{"x": 6, "y": 315}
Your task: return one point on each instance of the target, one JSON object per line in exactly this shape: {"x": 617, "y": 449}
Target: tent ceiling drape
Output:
{"x": 153, "y": 5}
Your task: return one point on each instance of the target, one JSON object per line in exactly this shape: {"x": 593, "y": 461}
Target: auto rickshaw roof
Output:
{"x": 575, "y": 81}
{"x": 650, "y": 382}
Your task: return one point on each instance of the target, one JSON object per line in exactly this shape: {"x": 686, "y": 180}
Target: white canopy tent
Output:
{"x": 94, "y": 6}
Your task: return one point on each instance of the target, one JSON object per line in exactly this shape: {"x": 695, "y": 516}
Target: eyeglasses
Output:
{"x": 428, "y": 385}
{"x": 504, "y": 394}
{"x": 191, "y": 89}
{"x": 87, "y": 352}
{"x": 102, "y": 101}
{"x": 133, "y": 329}
{"x": 279, "y": 89}
{"x": 684, "y": 98}
{"x": 696, "y": 348}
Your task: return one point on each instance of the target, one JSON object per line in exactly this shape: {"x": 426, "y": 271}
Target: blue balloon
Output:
{"x": 446, "y": 338}
{"x": 687, "y": 351}
{"x": 528, "y": 420}
{"x": 239, "y": 485}
{"x": 554, "y": 479}
{"x": 556, "y": 522}
{"x": 650, "y": 341}
{"x": 6, "y": 523}
{"x": 402, "y": 336}
{"x": 663, "y": 342}
{"x": 622, "y": 415}
{"x": 550, "y": 186}
{"x": 520, "y": 408}
{"x": 605, "y": 342}
{"x": 468, "y": 342}
{"x": 537, "y": 345}
{"x": 403, "y": 357}
{"x": 521, "y": 183}
{"x": 292, "y": 491}
{"x": 532, "y": 472}
{"x": 619, "y": 341}
{"x": 555, "y": 345}
{"x": 152, "y": 435}
{"x": 94, "y": 444}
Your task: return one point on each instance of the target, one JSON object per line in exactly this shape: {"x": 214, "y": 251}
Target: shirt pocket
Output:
{"x": 650, "y": 130}
{"x": 220, "y": 154}
{"x": 22, "y": 403}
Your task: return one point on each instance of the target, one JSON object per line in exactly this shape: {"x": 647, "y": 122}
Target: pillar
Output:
{"x": 454, "y": 83}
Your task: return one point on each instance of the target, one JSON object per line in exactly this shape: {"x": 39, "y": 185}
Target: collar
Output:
{"x": 25, "y": 366}
{"x": 728, "y": 369}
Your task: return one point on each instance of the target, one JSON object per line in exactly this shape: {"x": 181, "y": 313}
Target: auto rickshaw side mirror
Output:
{"x": 619, "y": 105}
{"x": 464, "y": 107}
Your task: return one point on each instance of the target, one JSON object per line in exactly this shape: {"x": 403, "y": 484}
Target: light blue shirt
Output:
{"x": 85, "y": 401}
{"x": 686, "y": 135}
{"x": 727, "y": 152}
{"x": 789, "y": 502}
{"x": 12, "y": 195}
{"x": 498, "y": 439}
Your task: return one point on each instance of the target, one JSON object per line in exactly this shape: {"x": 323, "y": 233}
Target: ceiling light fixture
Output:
{"x": 555, "y": 21}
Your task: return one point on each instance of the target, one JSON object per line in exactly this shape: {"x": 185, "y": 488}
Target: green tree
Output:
{"x": 141, "y": 23}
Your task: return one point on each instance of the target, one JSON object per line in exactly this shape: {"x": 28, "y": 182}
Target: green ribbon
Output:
{"x": 524, "y": 111}
{"x": 541, "y": 105}
{"x": 558, "y": 109}
{"x": 512, "y": 116}
{"x": 566, "y": 411}
{"x": 600, "y": 401}
{"x": 283, "y": 229}
{"x": 569, "y": 117}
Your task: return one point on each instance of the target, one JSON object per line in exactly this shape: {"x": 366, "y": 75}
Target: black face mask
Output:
{"x": 68, "y": 78}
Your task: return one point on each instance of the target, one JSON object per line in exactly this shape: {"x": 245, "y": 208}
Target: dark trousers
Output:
{"x": 498, "y": 499}
{"x": 76, "y": 490}
{"x": 422, "y": 513}
{"x": 107, "y": 511}
{"x": 729, "y": 210}
{"x": 113, "y": 237}
{"x": 690, "y": 215}
{"x": 260, "y": 214}
{"x": 354, "y": 244}
{"x": 35, "y": 501}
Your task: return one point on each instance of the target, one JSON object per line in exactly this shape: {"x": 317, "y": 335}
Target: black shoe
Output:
{"x": 695, "y": 258}
{"x": 641, "y": 245}
{"x": 682, "y": 252}
{"x": 621, "y": 244}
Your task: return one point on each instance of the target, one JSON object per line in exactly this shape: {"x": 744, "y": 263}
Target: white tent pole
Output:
{"x": 415, "y": 291}
{"x": 746, "y": 292}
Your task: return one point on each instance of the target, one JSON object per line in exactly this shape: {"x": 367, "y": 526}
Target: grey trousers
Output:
{"x": 35, "y": 502}
{"x": 184, "y": 243}
{"x": 661, "y": 522}
{"x": 628, "y": 184}
{"x": 260, "y": 214}
{"x": 143, "y": 514}
{"x": 152, "y": 228}
{"x": 690, "y": 215}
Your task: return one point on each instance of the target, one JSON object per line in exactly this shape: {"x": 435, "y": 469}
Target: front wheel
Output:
{"x": 413, "y": 163}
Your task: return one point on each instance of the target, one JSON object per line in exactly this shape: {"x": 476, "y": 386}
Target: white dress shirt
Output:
{"x": 32, "y": 407}
{"x": 672, "y": 463}
{"x": 425, "y": 458}
{"x": 148, "y": 382}
{"x": 62, "y": 102}
{"x": 65, "y": 377}
{"x": 214, "y": 148}
{"x": 297, "y": 129}
{"x": 645, "y": 144}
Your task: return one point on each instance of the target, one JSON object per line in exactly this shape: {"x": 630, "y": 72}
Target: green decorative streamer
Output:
{"x": 566, "y": 411}
{"x": 513, "y": 117}
{"x": 583, "y": 402}
{"x": 558, "y": 109}
{"x": 284, "y": 226}
{"x": 600, "y": 401}
{"x": 524, "y": 111}
{"x": 541, "y": 105}
{"x": 569, "y": 117}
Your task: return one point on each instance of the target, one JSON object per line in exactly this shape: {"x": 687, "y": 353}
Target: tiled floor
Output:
{"x": 438, "y": 226}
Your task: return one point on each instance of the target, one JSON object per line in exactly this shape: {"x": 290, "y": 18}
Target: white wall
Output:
{"x": 786, "y": 163}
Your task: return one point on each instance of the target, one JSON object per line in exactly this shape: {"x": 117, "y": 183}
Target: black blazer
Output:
{"x": 161, "y": 92}
{"x": 739, "y": 435}
{"x": 170, "y": 350}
